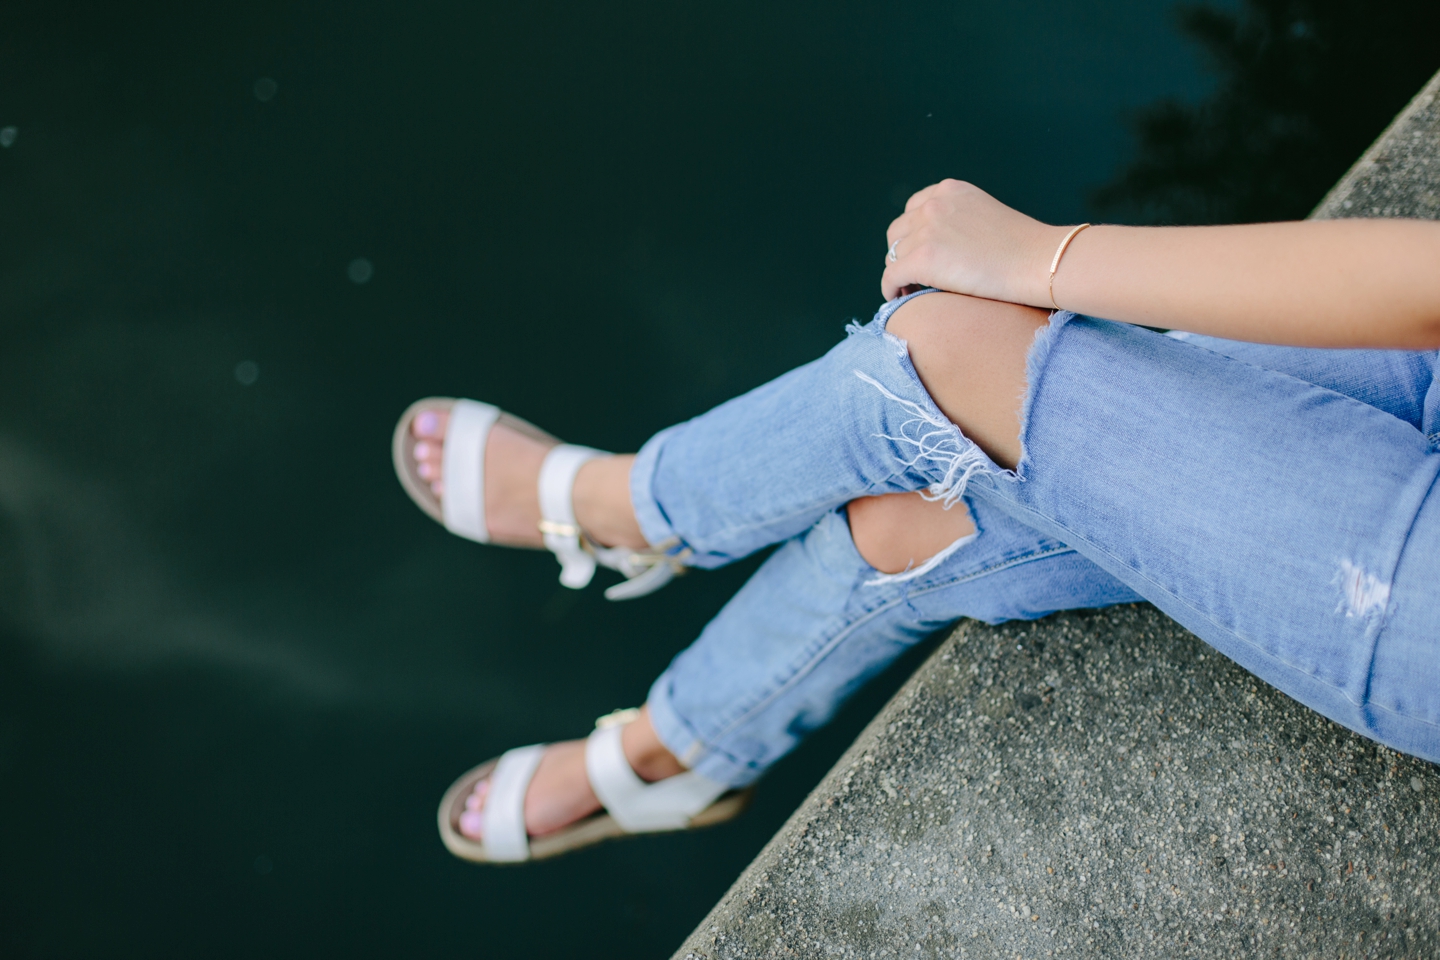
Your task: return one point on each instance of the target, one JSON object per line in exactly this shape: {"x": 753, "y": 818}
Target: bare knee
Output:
{"x": 970, "y": 355}
{"x": 902, "y": 530}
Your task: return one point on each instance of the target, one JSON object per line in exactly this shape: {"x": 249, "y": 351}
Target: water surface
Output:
{"x": 237, "y": 667}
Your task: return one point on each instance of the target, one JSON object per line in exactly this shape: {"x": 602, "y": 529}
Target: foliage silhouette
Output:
{"x": 1304, "y": 87}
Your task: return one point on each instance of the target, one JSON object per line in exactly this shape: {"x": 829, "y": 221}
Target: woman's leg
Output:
{"x": 839, "y": 628}
{"x": 1288, "y": 525}
{"x": 1397, "y": 381}
{"x": 807, "y": 666}
{"x": 814, "y": 624}
{"x": 765, "y": 466}
{"x": 749, "y": 473}
{"x": 817, "y": 621}
{"x": 893, "y": 530}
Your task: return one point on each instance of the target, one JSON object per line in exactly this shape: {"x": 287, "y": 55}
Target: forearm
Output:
{"x": 1345, "y": 283}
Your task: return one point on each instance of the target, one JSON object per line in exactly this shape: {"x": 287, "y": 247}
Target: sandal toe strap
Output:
{"x": 463, "y": 468}
{"x": 637, "y": 806}
{"x": 506, "y": 839}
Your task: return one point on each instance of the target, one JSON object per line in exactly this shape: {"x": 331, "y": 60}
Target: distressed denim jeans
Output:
{"x": 1275, "y": 501}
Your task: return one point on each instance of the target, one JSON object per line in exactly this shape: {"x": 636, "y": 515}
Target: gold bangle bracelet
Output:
{"x": 1060, "y": 252}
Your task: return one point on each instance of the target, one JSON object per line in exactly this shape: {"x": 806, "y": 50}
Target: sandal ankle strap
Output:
{"x": 637, "y": 806}
{"x": 557, "y": 511}
{"x": 645, "y": 570}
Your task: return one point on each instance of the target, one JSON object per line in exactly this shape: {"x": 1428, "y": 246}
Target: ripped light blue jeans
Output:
{"x": 1275, "y": 501}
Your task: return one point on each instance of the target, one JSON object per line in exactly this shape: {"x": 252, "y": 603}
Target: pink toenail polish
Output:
{"x": 425, "y": 469}
{"x": 473, "y": 802}
{"x": 427, "y": 423}
{"x": 472, "y": 824}
{"x": 423, "y": 450}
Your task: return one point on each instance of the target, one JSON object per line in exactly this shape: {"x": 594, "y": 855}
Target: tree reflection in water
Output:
{"x": 1304, "y": 87}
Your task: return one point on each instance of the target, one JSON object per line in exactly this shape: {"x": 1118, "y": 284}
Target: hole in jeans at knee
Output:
{"x": 901, "y": 533}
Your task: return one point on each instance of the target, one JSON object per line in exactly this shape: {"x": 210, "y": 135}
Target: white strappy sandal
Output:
{"x": 462, "y": 510}
{"x": 682, "y": 802}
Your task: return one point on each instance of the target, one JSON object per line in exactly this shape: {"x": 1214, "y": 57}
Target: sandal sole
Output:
{"x": 593, "y": 829}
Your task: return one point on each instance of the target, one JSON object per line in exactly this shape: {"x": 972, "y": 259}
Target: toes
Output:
{"x": 430, "y": 424}
{"x": 472, "y": 824}
{"x": 429, "y": 461}
{"x": 472, "y": 821}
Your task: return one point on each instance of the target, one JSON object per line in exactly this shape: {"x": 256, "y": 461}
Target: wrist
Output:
{"x": 1032, "y": 278}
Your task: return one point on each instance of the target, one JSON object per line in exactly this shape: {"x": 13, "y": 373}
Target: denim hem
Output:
{"x": 648, "y": 514}
{"x": 888, "y": 308}
{"x": 673, "y": 731}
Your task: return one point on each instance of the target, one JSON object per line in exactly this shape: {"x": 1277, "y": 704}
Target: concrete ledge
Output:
{"x": 1105, "y": 785}
{"x": 1095, "y": 785}
{"x": 1399, "y": 176}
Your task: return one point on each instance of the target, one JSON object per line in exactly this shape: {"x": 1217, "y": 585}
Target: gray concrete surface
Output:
{"x": 1105, "y": 785}
{"x": 1399, "y": 176}
{"x": 1095, "y": 785}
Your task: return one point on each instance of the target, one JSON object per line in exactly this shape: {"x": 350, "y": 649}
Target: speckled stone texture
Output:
{"x": 1400, "y": 175}
{"x": 1105, "y": 785}
{"x": 1096, "y": 785}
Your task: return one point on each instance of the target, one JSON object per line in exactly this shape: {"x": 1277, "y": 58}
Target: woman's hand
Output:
{"x": 1336, "y": 283}
{"x": 956, "y": 237}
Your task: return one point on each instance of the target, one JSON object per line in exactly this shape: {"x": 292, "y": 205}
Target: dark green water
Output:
{"x": 237, "y": 667}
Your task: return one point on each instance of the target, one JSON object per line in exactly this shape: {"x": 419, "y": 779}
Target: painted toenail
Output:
{"x": 425, "y": 469}
{"x": 472, "y": 824}
{"x": 474, "y": 801}
{"x": 427, "y": 423}
{"x": 424, "y": 450}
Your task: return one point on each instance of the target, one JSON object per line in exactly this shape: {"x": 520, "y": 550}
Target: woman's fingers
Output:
{"x": 956, "y": 237}
{"x": 913, "y": 265}
{"x": 916, "y": 211}
{"x": 900, "y": 226}
{"x": 899, "y": 279}
{"x": 908, "y": 236}
{"x": 888, "y": 290}
{"x": 920, "y": 196}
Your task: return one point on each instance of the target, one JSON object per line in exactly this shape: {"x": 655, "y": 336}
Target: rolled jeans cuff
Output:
{"x": 685, "y": 743}
{"x": 648, "y": 514}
